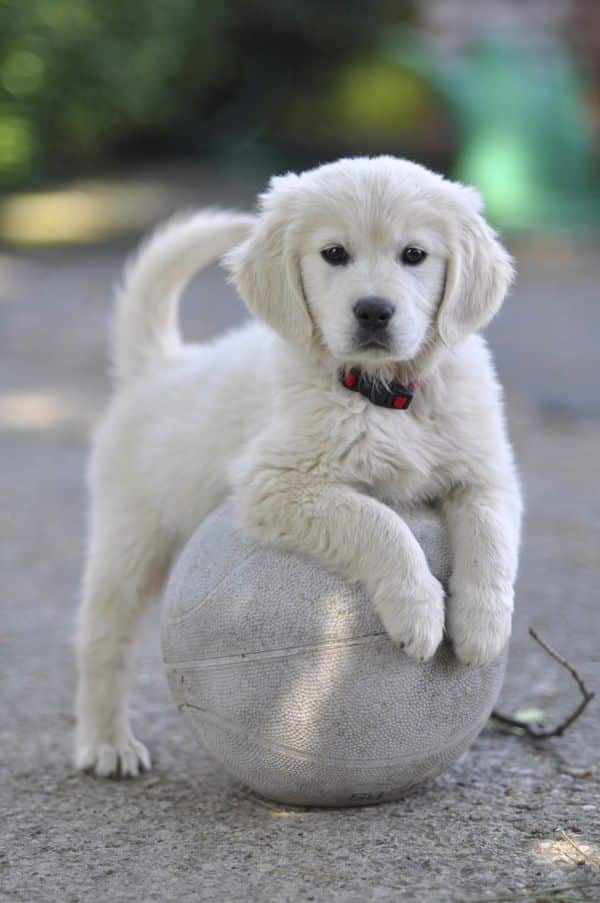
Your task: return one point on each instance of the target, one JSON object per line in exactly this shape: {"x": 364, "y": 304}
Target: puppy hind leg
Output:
{"x": 124, "y": 573}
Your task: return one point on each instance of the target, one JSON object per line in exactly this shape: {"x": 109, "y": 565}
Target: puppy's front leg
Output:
{"x": 484, "y": 524}
{"x": 358, "y": 537}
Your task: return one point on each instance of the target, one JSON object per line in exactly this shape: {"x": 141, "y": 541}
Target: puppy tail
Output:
{"x": 146, "y": 324}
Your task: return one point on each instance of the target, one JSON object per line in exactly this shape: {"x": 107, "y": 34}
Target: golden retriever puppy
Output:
{"x": 364, "y": 380}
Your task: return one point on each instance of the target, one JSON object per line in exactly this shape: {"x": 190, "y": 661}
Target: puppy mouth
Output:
{"x": 371, "y": 348}
{"x": 373, "y": 344}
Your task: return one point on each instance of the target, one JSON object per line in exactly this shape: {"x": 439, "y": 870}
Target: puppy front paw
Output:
{"x": 479, "y": 623}
{"x": 413, "y": 615}
{"x": 125, "y": 757}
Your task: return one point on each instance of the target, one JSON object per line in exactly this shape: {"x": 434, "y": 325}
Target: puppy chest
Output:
{"x": 384, "y": 453}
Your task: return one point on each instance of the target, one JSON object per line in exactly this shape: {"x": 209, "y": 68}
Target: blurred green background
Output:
{"x": 503, "y": 95}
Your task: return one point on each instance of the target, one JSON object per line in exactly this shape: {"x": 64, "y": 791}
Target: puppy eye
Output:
{"x": 336, "y": 255}
{"x": 413, "y": 256}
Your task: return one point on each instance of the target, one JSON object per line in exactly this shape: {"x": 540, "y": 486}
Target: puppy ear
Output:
{"x": 266, "y": 270}
{"x": 478, "y": 275}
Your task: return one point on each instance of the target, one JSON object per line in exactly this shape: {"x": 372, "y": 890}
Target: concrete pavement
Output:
{"x": 490, "y": 829}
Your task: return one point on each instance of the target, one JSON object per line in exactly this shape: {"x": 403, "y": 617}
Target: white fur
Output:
{"x": 261, "y": 412}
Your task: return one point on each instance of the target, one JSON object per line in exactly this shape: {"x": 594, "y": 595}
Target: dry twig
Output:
{"x": 558, "y": 731}
{"x": 591, "y": 860}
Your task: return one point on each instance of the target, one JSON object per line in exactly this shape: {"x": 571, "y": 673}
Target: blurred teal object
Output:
{"x": 523, "y": 136}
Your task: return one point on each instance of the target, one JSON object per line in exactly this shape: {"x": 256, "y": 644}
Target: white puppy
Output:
{"x": 367, "y": 275}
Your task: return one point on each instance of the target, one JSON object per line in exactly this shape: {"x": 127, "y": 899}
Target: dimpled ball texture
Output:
{"x": 286, "y": 676}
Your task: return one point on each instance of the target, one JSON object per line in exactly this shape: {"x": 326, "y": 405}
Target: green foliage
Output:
{"x": 82, "y": 81}
{"x": 371, "y": 105}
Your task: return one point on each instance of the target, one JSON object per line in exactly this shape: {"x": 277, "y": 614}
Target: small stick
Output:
{"x": 576, "y": 846}
{"x": 559, "y": 730}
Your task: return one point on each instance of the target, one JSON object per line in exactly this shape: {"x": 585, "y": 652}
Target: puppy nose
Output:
{"x": 373, "y": 313}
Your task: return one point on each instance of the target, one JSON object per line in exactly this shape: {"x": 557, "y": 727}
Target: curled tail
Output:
{"x": 146, "y": 328}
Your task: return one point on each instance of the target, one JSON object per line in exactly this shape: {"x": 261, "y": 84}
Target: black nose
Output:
{"x": 373, "y": 313}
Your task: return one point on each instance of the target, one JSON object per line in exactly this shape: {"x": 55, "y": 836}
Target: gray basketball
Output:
{"x": 287, "y": 677}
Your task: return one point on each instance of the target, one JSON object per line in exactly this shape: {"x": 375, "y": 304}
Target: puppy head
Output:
{"x": 372, "y": 259}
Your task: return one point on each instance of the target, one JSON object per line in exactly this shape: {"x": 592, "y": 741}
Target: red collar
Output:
{"x": 393, "y": 395}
